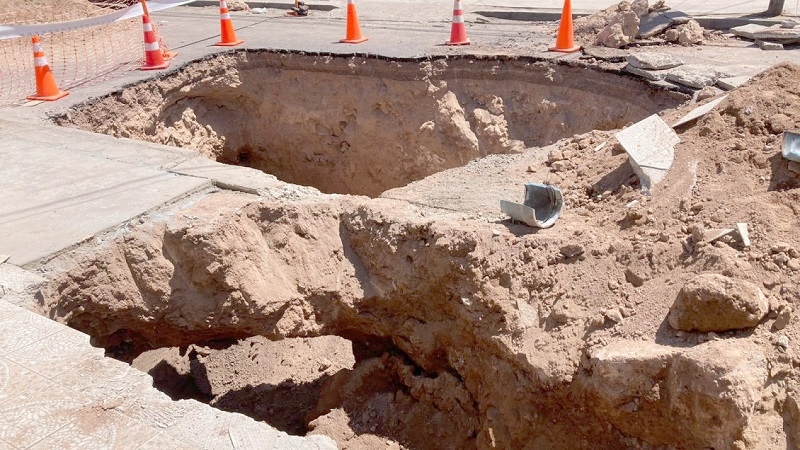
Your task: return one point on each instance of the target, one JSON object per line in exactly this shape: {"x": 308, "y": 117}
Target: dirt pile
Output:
{"x": 470, "y": 331}
{"x": 362, "y": 126}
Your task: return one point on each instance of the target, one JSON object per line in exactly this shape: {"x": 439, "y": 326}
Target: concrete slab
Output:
{"x": 650, "y": 147}
{"x": 18, "y": 286}
{"x": 698, "y": 112}
{"x": 747, "y": 31}
{"x": 225, "y": 176}
{"x": 652, "y": 75}
{"x": 653, "y": 24}
{"x": 654, "y": 61}
{"x": 730, "y": 83}
{"x": 55, "y": 198}
{"x": 696, "y": 76}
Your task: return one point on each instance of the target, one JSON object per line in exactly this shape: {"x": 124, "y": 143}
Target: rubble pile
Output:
{"x": 637, "y": 22}
{"x": 774, "y": 37}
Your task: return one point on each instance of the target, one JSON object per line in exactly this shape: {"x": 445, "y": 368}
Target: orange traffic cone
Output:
{"x": 46, "y": 87}
{"x": 353, "y": 29}
{"x": 153, "y": 56}
{"x": 228, "y": 35}
{"x": 565, "y": 41}
{"x": 458, "y": 32}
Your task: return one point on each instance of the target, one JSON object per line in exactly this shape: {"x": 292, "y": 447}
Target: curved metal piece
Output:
{"x": 543, "y": 203}
{"x": 791, "y": 146}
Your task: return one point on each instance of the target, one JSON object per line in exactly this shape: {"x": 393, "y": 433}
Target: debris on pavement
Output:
{"x": 769, "y": 38}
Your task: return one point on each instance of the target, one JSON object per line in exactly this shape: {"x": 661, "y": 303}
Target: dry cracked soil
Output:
{"x": 390, "y": 304}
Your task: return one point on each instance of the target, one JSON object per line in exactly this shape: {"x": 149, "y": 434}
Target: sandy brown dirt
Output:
{"x": 470, "y": 331}
{"x": 356, "y": 126}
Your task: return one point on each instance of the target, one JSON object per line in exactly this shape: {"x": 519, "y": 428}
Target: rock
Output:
{"x": 672, "y": 35}
{"x": 713, "y": 302}
{"x": 700, "y": 397}
{"x": 783, "y": 341}
{"x": 650, "y": 147}
{"x": 778, "y": 123}
{"x": 641, "y": 8}
{"x": 635, "y": 276}
{"x": 612, "y": 36}
{"x": 614, "y": 315}
{"x": 766, "y": 45}
{"x": 653, "y": 24}
{"x": 237, "y": 5}
{"x": 783, "y": 319}
{"x": 653, "y": 61}
{"x": 708, "y": 92}
{"x": 691, "y": 33}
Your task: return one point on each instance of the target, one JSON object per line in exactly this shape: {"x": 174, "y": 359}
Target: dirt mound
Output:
{"x": 470, "y": 331}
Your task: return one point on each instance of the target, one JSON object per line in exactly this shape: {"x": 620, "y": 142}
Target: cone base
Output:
{"x": 464, "y": 42}
{"x": 48, "y": 98}
{"x": 572, "y": 49}
{"x": 229, "y": 44}
{"x": 156, "y": 67}
{"x": 353, "y": 41}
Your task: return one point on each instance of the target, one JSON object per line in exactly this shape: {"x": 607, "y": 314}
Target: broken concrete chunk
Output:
{"x": 716, "y": 233}
{"x": 605, "y": 53}
{"x": 652, "y": 75}
{"x": 695, "y": 76}
{"x": 747, "y": 31}
{"x": 744, "y": 235}
{"x": 766, "y": 45}
{"x": 690, "y": 33}
{"x": 679, "y": 17}
{"x": 653, "y": 61}
{"x": 653, "y": 24}
{"x": 4, "y": 258}
{"x": 730, "y": 83}
{"x": 790, "y": 147}
{"x": 541, "y": 207}
{"x": 713, "y": 302}
{"x": 650, "y": 147}
{"x": 778, "y": 34}
{"x": 698, "y": 112}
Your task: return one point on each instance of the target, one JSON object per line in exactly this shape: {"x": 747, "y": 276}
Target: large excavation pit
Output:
{"x": 362, "y": 125}
{"x": 364, "y": 319}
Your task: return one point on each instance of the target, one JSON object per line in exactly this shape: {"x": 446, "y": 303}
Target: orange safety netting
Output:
{"x": 77, "y": 56}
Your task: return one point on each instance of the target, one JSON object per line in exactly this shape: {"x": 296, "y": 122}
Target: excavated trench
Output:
{"x": 356, "y": 125}
{"x": 436, "y": 351}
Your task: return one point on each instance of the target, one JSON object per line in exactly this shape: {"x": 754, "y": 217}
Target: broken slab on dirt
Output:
{"x": 698, "y": 112}
{"x": 730, "y": 83}
{"x": 650, "y": 147}
{"x": 652, "y": 75}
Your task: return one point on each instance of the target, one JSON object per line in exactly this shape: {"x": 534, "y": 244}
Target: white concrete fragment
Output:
{"x": 716, "y": 233}
{"x": 747, "y": 31}
{"x": 766, "y": 45}
{"x": 652, "y": 75}
{"x": 4, "y": 258}
{"x": 700, "y": 111}
{"x": 650, "y": 146}
{"x": 730, "y": 83}
{"x": 741, "y": 228}
{"x": 653, "y": 61}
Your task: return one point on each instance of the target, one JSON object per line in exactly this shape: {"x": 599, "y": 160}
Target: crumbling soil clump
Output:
{"x": 471, "y": 331}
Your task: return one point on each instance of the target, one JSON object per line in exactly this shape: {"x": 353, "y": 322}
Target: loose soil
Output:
{"x": 466, "y": 330}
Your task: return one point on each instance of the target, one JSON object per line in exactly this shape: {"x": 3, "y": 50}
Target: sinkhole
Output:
{"x": 362, "y": 125}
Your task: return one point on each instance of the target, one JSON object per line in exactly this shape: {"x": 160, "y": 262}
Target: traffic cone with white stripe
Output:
{"x": 227, "y": 33}
{"x": 153, "y": 56}
{"x": 565, "y": 41}
{"x": 46, "y": 87}
{"x": 353, "y": 28}
{"x": 458, "y": 32}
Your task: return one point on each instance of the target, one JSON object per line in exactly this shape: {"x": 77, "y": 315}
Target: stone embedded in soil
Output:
{"x": 650, "y": 147}
{"x": 712, "y": 302}
{"x": 651, "y": 391}
{"x": 653, "y": 61}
